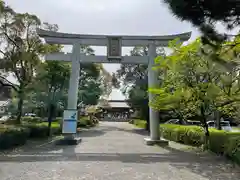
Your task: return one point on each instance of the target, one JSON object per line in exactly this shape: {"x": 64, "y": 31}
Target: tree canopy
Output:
{"x": 195, "y": 86}
{"x": 41, "y": 85}
{"x": 205, "y": 14}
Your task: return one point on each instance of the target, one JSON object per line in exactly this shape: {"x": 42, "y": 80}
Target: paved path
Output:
{"x": 113, "y": 151}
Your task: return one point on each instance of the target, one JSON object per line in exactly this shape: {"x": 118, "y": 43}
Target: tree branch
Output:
{"x": 7, "y": 83}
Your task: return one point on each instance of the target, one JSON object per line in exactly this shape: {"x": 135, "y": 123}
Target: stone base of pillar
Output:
{"x": 160, "y": 142}
{"x": 68, "y": 141}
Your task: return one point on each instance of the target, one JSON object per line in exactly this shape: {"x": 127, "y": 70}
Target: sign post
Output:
{"x": 69, "y": 122}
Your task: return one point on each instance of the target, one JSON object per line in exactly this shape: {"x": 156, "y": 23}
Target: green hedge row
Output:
{"x": 11, "y": 136}
{"x": 41, "y": 130}
{"x": 32, "y": 127}
{"x": 220, "y": 142}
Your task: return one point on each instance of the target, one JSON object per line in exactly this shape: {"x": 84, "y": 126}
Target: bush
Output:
{"x": 85, "y": 121}
{"x": 31, "y": 119}
{"x": 140, "y": 123}
{"x": 232, "y": 149}
{"x": 220, "y": 142}
{"x": 13, "y": 136}
{"x": 40, "y": 130}
{"x": 189, "y": 135}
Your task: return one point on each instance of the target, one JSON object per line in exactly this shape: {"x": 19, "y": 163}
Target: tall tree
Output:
{"x": 195, "y": 86}
{"x": 205, "y": 14}
{"x": 134, "y": 78}
{"x": 21, "y": 50}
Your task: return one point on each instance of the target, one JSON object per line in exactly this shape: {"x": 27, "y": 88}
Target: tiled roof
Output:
{"x": 118, "y": 104}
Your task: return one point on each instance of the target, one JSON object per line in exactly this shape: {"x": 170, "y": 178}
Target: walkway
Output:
{"x": 113, "y": 151}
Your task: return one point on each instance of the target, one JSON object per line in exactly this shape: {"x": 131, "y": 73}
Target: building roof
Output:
{"x": 118, "y": 105}
{"x": 114, "y": 104}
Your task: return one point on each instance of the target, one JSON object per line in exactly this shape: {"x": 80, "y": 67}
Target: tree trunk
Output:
{"x": 217, "y": 120}
{"x": 205, "y": 125}
{"x": 146, "y": 117}
{"x": 50, "y": 117}
{"x": 148, "y": 124}
{"x": 19, "y": 106}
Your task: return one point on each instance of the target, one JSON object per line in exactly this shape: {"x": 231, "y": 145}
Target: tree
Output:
{"x": 106, "y": 81}
{"x": 54, "y": 76}
{"x": 195, "y": 86}
{"x": 91, "y": 77}
{"x": 134, "y": 78}
{"x": 21, "y": 50}
{"x": 204, "y": 15}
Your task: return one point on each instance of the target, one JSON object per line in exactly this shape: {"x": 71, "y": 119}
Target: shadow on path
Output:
{"x": 206, "y": 165}
{"x": 91, "y": 133}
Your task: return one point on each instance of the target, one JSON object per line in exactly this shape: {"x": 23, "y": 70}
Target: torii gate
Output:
{"x": 114, "y": 55}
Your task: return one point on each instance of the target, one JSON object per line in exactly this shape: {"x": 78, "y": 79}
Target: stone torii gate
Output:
{"x": 114, "y": 55}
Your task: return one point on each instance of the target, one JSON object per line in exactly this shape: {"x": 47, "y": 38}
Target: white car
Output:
{"x": 5, "y": 118}
{"x": 30, "y": 114}
{"x": 224, "y": 124}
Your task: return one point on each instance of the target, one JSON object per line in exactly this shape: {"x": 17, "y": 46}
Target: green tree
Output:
{"x": 54, "y": 78}
{"x": 204, "y": 15}
{"x": 134, "y": 79}
{"x": 194, "y": 85}
{"x": 21, "y": 50}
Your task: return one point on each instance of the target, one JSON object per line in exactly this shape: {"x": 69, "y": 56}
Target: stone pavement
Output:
{"x": 113, "y": 151}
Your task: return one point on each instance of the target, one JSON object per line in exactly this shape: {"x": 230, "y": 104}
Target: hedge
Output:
{"x": 220, "y": 142}
{"x": 32, "y": 127}
{"x": 13, "y": 136}
{"x": 85, "y": 121}
{"x": 40, "y": 130}
{"x": 139, "y": 123}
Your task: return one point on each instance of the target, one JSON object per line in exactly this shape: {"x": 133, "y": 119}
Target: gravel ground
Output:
{"x": 113, "y": 151}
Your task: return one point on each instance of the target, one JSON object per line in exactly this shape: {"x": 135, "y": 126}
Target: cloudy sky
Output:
{"x": 122, "y": 17}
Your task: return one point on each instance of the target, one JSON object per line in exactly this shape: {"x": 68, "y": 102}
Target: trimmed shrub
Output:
{"x": 40, "y": 130}
{"x": 13, "y": 136}
{"x": 140, "y": 123}
{"x": 232, "y": 149}
{"x": 31, "y": 119}
{"x": 85, "y": 121}
{"x": 190, "y": 135}
{"x": 220, "y": 142}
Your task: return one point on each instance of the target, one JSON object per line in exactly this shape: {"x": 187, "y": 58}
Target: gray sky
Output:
{"x": 122, "y": 17}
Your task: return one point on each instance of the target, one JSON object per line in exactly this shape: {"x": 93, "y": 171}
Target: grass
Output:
{"x": 53, "y": 124}
{"x": 236, "y": 128}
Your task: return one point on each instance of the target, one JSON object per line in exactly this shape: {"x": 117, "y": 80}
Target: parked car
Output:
{"x": 30, "y": 115}
{"x": 174, "y": 121}
{"x": 5, "y": 118}
{"x": 224, "y": 124}
{"x": 194, "y": 123}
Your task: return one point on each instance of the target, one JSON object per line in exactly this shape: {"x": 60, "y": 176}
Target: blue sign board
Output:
{"x": 69, "y": 122}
